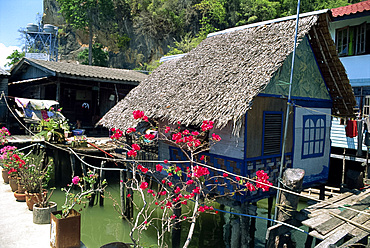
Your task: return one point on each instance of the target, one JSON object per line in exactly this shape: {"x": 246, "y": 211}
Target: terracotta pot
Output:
{"x": 13, "y": 182}
{"x": 20, "y": 196}
{"x": 21, "y": 188}
{"x": 42, "y": 215}
{"x": 32, "y": 198}
{"x": 4, "y": 173}
{"x": 65, "y": 232}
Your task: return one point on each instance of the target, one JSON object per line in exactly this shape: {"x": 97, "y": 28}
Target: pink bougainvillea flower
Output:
{"x": 169, "y": 204}
{"x": 177, "y": 190}
{"x": 150, "y": 191}
{"x": 136, "y": 147}
{"x": 165, "y": 161}
{"x": 144, "y": 170}
{"x": 156, "y": 203}
{"x": 195, "y": 133}
{"x": 167, "y": 130}
{"x": 185, "y": 132}
{"x": 143, "y": 185}
{"x": 179, "y": 122}
{"x": 250, "y": 186}
{"x": 184, "y": 217}
{"x": 189, "y": 182}
{"x": 121, "y": 181}
{"x": 128, "y": 195}
{"x": 132, "y": 153}
{"x": 75, "y": 180}
{"x": 138, "y": 114}
{"x": 237, "y": 178}
{"x": 225, "y": 175}
{"x": 145, "y": 222}
{"x": 163, "y": 181}
{"x": 170, "y": 184}
{"x": 201, "y": 209}
{"x": 196, "y": 190}
{"x": 145, "y": 118}
{"x": 207, "y": 125}
{"x": 202, "y": 157}
{"x": 130, "y": 130}
{"x": 173, "y": 216}
{"x": 170, "y": 174}
{"x": 159, "y": 167}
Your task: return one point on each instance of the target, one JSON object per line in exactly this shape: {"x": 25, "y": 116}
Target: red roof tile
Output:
{"x": 351, "y": 9}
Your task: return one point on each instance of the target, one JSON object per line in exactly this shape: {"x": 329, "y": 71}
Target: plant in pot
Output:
{"x": 13, "y": 161}
{"x": 51, "y": 130}
{"x": 35, "y": 175}
{"x": 65, "y": 229}
{"x": 3, "y": 161}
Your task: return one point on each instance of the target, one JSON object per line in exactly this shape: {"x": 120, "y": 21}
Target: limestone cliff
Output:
{"x": 140, "y": 49}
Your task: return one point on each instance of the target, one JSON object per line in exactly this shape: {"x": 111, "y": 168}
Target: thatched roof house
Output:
{"x": 220, "y": 78}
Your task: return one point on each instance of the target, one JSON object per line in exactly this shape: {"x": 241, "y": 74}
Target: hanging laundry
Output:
{"x": 351, "y": 128}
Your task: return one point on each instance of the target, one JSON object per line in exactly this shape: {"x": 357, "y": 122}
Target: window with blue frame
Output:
{"x": 313, "y": 136}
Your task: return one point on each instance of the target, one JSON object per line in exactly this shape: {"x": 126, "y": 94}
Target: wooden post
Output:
{"x": 322, "y": 192}
{"x": 292, "y": 180}
{"x": 73, "y": 163}
{"x": 343, "y": 169}
{"x": 309, "y": 239}
{"x": 252, "y": 229}
{"x": 245, "y": 226}
{"x": 129, "y": 211}
{"x": 101, "y": 177}
{"x": 122, "y": 179}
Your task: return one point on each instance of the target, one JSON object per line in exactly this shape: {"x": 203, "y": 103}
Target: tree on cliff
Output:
{"x": 84, "y": 14}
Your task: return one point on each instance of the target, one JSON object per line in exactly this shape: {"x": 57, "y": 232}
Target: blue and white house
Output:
{"x": 239, "y": 78}
{"x": 350, "y": 29}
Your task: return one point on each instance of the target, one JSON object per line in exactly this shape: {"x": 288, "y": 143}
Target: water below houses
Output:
{"x": 103, "y": 225}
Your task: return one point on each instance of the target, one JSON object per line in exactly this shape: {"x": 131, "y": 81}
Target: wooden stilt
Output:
{"x": 270, "y": 201}
{"x": 322, "y": 192}
{"x": 122, "y": 178}
{"x": 309, "y": 239}
{"x": 129, "y": 211}
{"x": 102, "y": 176}
{"x": 252, "y": 229}
{"x": 72, "y": 158}
{"x": 343, "y": 169}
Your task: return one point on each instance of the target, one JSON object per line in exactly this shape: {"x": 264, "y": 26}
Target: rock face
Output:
{"x": 140, "y": 49}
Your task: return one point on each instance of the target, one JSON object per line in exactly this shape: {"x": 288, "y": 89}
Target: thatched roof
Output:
{"x": 220, "y": 77}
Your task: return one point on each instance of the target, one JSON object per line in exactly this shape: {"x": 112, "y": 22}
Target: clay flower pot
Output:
{"x": 32, "y": 198}
{"x": 4, "y": 174}
{"x": 41, "y": 215}
{"x": 13, "y": 182}
{"x": 20, "y": 196}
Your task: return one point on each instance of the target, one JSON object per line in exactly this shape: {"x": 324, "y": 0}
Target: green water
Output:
{"x": 103, "y": 225}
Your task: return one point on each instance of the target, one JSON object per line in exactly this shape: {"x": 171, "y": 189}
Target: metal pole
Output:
{"x": 287, "y": 114}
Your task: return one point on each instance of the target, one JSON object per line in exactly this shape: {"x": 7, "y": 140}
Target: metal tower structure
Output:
{"x": 41, "y": 42}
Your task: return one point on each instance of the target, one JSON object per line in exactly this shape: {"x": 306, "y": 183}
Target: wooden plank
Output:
{"x": 354, "y": 240}
{"x": 329, "y": 225}
{"x": 358, "y": 231}
{"x": 314, "y": 222}
{"x": 333, "y": 238}
{"x": 330, "y": 201}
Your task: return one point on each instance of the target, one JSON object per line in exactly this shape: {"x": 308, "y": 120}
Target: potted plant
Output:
{"x": 51, "y": 130}
{"x": 4, "y": 159}
{"x": 35, "y": 175}
{"x": 65, "y": 229}
{"x": 12, "y": 161}
{"x": 42, "y": 209}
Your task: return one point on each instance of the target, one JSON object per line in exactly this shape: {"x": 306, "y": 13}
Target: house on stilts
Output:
{"x": 239, "y": 78}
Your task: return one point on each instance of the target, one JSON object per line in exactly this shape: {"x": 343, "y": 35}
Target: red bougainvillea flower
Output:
{"x": 138, "y": 114}
{"x": 130, "y": 130}
{"x": 173, "y": 216}
{"x": 163, "y": 181}
{"x": 250, "y": 186}
{"x": 169, "y": 204}
{"x": 121, "y": 181}
{"x": 149, "y": 136}
{"x": 177, "y": 190}
{"x": 216, "y": 137}
{"x": 145, "y": 118}
{"x": 237, "y": 178}
{"x": 189, "y": 182}
{"x": 150, "y": 191}
{"x": 225, "y": 175}
{"x": 167, "y": 130}
{"x": 128, "y": 195}
{"x": 156, "y": 203}
{"x": 195, "y": 133}
{"x": 144, "y": 170}
{"x": 136, "y": 147}
{"x": 196, "y": 190}
{"x": 132, "y": 153}
{"x": 207, "y": 125}
{"x": 165, "y": 161}
{"x": 200, "y": 171}
{"x": 159, "y": 167}
{"x": 202, "y": 157}
{"x": 143, "y": 185}
{"x": 185, "y": 132}
{"x": 170, "y": 184}
{"x": 75, "y": 180}
{"x": 201, "y": 209}
{"x": 184, "y": 203}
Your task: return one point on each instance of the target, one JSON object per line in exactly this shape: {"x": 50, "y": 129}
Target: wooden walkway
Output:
{"x": 334, "y": 224}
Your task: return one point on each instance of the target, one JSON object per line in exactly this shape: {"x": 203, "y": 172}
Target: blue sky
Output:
{"x": 15, "y": 14}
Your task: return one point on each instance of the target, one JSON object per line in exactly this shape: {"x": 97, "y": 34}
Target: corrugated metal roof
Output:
{"x": 4, "y": 72}
{"x": 351, "y": 9}
{"x": 69, "y": 69}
